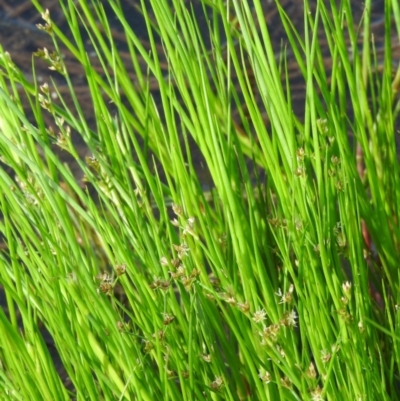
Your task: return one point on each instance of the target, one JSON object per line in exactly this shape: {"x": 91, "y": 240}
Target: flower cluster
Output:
{"x": 53, "y": 58}
{"x": 48, "y": 26}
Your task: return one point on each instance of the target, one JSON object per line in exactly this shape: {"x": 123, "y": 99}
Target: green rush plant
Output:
{"x": 267, "y": 271}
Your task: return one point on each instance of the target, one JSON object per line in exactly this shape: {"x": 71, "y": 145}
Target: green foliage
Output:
{"x": 278, "y": 281}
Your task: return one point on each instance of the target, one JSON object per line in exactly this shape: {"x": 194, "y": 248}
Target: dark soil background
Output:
{"x": 20, "y": 37}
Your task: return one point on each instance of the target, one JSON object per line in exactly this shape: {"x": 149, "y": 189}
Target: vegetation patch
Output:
{"x": 223, "y": 238}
